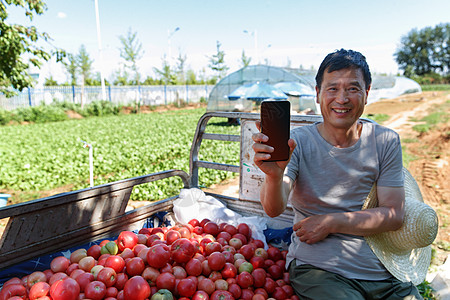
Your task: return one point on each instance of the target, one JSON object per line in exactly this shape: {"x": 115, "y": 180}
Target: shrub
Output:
{"x": 5, "y": 117}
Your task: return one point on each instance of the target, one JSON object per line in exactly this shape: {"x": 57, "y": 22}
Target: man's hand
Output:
{"x": 262, "y": 152}
{"x": 314, "y": 228}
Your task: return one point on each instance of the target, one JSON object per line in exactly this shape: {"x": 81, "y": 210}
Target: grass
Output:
{"x": 379, "y": 118}
{"x": 435, "y": 87}
{"x": 438, "y": 114}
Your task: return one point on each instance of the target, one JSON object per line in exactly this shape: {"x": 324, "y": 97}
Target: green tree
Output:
{"x": 168, "y": 77}
{"x": 425, "y": 51}
{"x": 180, "y": 66}
{"x": 131, "y": 52}
{"x": 191, "y": 78}
{"x": 217, "y": 62}
{"x": 50, "y": 81}
{"x": 84, "y": 63}
{"x": 245, "y": 60}
{"x": 71, "y": 68}
{"x": 18, "y": 41}
{"x": 121, "y": 77}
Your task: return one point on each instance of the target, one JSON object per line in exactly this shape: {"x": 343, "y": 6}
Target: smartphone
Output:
{"x": 275, "y": 123}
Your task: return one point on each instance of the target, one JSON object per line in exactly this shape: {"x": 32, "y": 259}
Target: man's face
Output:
{"x": 342, "y": 97}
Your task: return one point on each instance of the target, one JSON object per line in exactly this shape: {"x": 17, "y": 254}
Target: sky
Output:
{"x": 284, "y": 32}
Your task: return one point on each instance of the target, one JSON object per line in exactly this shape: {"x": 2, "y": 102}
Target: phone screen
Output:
{"x": 275, "y": 123}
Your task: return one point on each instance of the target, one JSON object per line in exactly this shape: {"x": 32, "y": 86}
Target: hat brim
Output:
{"x": 408, "y": 265}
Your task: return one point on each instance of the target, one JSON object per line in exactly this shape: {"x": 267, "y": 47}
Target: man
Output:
{"x": 332, "y": 168}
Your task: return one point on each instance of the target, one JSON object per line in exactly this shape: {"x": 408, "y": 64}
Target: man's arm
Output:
{"x": 274, "y": 195}
{"x": 387, "y": 216}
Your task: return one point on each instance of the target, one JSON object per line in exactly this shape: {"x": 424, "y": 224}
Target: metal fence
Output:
{"x": 124, "y": 95}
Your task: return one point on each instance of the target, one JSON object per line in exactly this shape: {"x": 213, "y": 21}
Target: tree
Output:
{"x": 131, "y": 53}
{"x": 217, "y": 62}
{"x": 167, "y": 75}
{"x": 425, "y": 51}
{"x": 245, "y": 60}
{"x": 50, "y": 81}
{"x": 84, "y": 63}
{"x": 71, "y": 68}
{"x": 180, "y": 66}
{"x": 18, "y": 41}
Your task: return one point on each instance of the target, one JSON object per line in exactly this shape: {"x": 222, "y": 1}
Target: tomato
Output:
{"x": 116, "y": 262}
{"x": 248, "y": 251}
{"x": 59, "y": 264}
{"x": 212, "y": 247}
{"x": 231, "y": 229}
{"x": 14, "y": 280}
{"x": 235, "y": 242}
{"x": 274, "y": 253}
{"x": 179, "y": 272}
{"x": 158, "y": 256}
{"x": 204, "y": 221}
{"x": 86, "y": 263}
{"x": 194, "y": 222}
{"x": 229, "y": 271}
{"x": 78, "y": 254}
{"x": 71, "y": 268}
{"x": 247, "y": 294}
{"x": 244, "y": 229}
{"x": 94, "y": 251}
{"x": 221, "y": 295}
{"x": 275, "y": 271}
{"x": 245, "y": 267}
{"x": 245, "y": 280}
{"x": 235, "y": 290}
{"x": 216, "y": 261}
{"x": 111, "y": 292}
{"x": 225, "y": 235}
{"x": 136, "y": 288}
{"x": 150, "y": 274}
{"x": 39, "y": 289}
{"x": 57, "y": 276}
{"x": 200, "y": 295}
{"x": 194, "y": 267}
{"x": 166, "y": 281}
{"x": 270, "y": 285}
{"x": 135, "y": 266}
{"x": 279, "y": 293}
{"x": 108, "y": 276}
{"x": 95, "y": 290}
{"x": 65, "y": 289}
{"x": 12, "y": 290}
{"x": 84, "y": 279}
{"x": 36, "y": 277}
{"x": 95, "y": 270}
{"x": 182, "y": 250}
{"x": 288, "y": 290}
{"x": 122, "y": 278}
{"x": 259, "y": 277}
{"x": 127, "y": 239}
{"x": 186, "y": 287}
{"x": 211, "y": 228}
{"x": 171, "y": 236}
{"x": 206, "y": 285}
{"x": 162, "y": 294}
{"x": 221, "y": 284}
{"x": 257, "y": 262}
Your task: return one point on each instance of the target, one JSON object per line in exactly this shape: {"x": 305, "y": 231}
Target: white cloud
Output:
{"x": 61, "y": 15}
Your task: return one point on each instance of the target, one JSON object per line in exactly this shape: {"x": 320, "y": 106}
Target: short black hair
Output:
{"x": 344, "y": 59}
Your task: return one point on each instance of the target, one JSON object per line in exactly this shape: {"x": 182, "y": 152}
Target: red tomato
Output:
{"x": 12, "y": 290}
{"x": 216, "y": 261}
{"x": 211, "y": 228}
{"x": 95, "y": 290}
{"x": 171, "y": 236}
{"x": 127, "y": 239}
{"x": 150, "y": 274}
{"x": 94, "y": 251}
{"x": 235, "y": 290}
{"x": 36, "y": 277}
{"x": 108, "y": 276}
{"x": 14, "y": 280}
{"x": 259, "y": 277}
{"x": 116, "y": 262}
{"x": 186, "y": 287}
{"x": 270, "y": 285}
{"x": 135, "y": 266}
{"x": 182, "y": 250}
{"x": 122, "y": 278}
{"x": 274, "y": 253}
{"x": 194, "y": 267}
{"x": 39, "y": 289}
{"x": 166, "y": 281}
{"x": 248, "y": 251}
{"x": 194, "y": 222}
{"x": 275, "y": 271}
{"x": 244, "y": 229}
{"x": 204, "y": 221}
{"x": 111, "y": 292}
{"x": 65, "y": 289}
{"x": 158, "y": 256}
{"x": 57, "y": 276}
{"x": 136, "y": 288}
{"x": 206, "y": 285}
{"x": 245, "y": 280}
{"x": 212, "y": 247}
{"x": 257, "y": 262}
{"x": 84, "y": 279}
{"x": 59, "y": 264}
{"x": 229, "y": 271}
{"x": 279, "y": 293}
{"x": 200, "y": 295}
{"x": 221, "y": 295}
{"x": 179, "y": 272}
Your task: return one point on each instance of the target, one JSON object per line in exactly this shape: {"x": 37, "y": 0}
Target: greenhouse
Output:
{"x": 244, "y": 89}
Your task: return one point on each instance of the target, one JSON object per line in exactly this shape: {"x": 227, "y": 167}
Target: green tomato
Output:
{"x": 162, "y": 294}
{"x": 110, "y": 248}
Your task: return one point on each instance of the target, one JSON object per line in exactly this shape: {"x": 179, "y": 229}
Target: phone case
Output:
{"x": 275, "y": 123}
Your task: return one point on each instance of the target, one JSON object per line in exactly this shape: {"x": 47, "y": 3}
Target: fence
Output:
{"x": 147, "y": 95}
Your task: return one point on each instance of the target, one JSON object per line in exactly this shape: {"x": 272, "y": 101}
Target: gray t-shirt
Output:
{"x": 332, "y": 180}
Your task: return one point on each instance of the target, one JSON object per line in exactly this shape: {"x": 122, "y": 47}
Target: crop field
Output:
{"x": 43, "y": 157}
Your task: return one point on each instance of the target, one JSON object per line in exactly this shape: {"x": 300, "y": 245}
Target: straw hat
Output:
{"x": 406, "y": 252}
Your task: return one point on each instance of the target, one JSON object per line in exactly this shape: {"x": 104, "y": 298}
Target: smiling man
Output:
{"x": 332, "y": 168}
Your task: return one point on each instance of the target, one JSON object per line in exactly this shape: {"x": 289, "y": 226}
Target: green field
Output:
{"x": 43, "y": 157}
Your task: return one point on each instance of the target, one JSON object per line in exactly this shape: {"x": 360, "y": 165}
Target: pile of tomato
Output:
{"x": 198, "y": 260}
